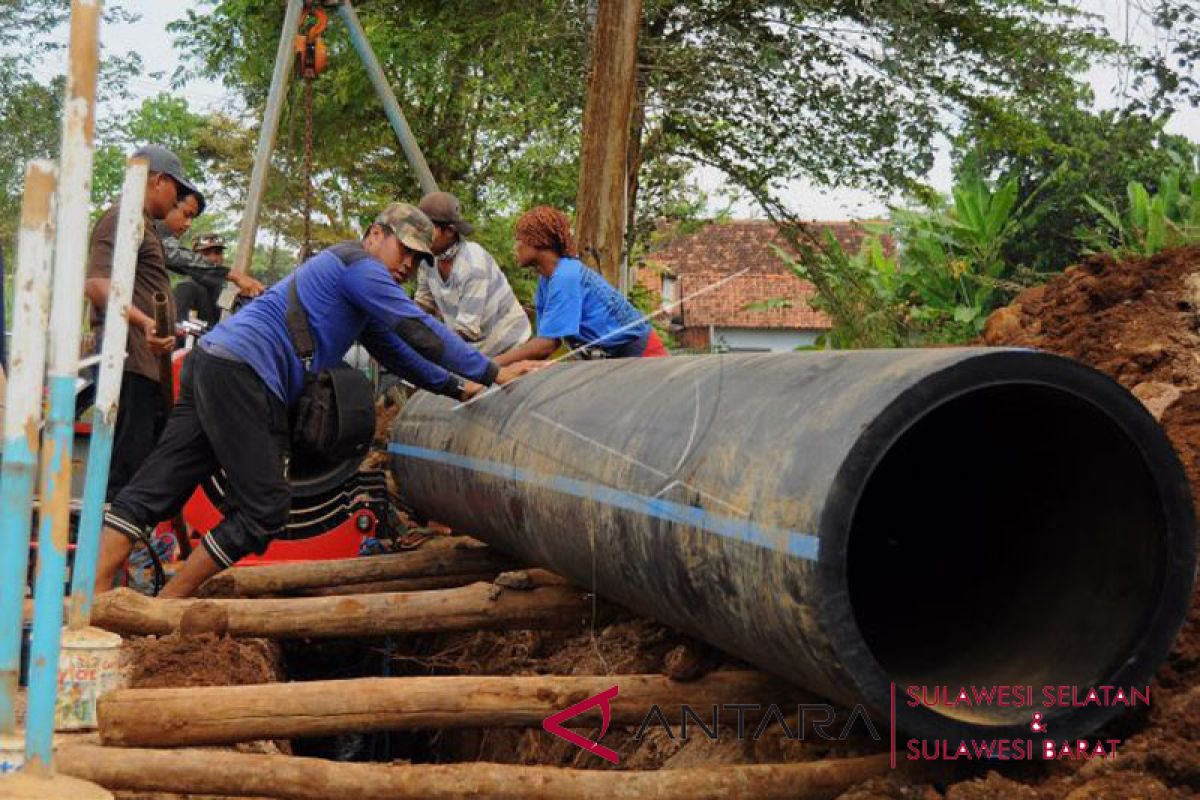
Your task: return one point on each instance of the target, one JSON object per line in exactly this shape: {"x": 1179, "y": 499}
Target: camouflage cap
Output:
{"x": 210, "y": 241}
{"x": 410, "y": 225}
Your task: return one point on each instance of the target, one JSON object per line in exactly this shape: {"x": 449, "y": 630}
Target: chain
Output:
{"x": 308, "y": 164}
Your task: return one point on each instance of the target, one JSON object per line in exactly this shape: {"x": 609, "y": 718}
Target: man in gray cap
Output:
{"x": 142, "y": 404}
{"x": 465, "y": 286}
{"x": 242, "y": 378}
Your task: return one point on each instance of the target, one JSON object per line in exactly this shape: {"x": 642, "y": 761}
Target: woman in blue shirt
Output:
{"x": 574, "y": 302}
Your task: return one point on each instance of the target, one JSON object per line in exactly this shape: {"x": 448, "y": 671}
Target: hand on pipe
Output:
{"x": 159, "y": 345}
{"x": 510, "y": 373}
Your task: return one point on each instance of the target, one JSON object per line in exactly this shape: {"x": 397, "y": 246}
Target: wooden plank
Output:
{"x": 231, "y": 714}
{"x": 224, "y": 773}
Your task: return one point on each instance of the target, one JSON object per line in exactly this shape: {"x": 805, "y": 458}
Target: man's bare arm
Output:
{"x": 536, "y": 349}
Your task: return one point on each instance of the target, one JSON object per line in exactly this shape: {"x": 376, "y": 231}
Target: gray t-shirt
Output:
{"x": 475, "y": 301}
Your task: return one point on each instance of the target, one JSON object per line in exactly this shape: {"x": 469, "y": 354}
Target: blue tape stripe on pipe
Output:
{"x": 804, "y": 545}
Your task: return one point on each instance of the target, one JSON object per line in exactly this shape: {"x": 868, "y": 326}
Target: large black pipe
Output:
{"x": 847, "y": 520}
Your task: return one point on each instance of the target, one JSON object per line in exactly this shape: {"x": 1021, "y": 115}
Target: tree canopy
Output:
{"x": 839, "y": 93}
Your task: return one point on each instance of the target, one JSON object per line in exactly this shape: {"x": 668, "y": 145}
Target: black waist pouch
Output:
{"x": 335, "y": 416}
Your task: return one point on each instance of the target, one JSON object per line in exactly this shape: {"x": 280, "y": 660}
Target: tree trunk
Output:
{"x": 654, "y": 28}
{"x": 480, "y": 606}
{"x": 223, "y": 773}
{"x": 288, "y": 577}
{"x": 603, "y": 163}
{"x": 231, "y": 714}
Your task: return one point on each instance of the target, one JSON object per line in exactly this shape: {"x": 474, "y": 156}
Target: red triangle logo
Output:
{"x": 553, "y": 724}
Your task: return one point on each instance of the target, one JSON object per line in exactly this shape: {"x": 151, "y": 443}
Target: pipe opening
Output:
{"x": 1012, "y": 536}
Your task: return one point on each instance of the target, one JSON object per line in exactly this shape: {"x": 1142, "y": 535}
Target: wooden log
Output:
{"x": 480, "y": 606}
{"x": 537, "y": 577}
{"x": 224, "y": 773}
{"x": 275, "y": 579}
{"x": 397, "y": 585}
{"x": 231, "y": 714}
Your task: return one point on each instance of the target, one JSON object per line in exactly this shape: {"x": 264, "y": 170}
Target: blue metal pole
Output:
{"x": 70, "y": 253}
{"x": 23, "y": 421}
{"x": 55, "y": 504}
{"x": 108, "y": 392}
{"x": 408, "y": 143}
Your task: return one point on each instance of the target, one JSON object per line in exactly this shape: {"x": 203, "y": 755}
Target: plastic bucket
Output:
{"x": 12, "y": 753}
{"x": 88, "y": 667}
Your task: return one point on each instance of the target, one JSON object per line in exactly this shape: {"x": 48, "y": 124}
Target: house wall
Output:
{"x": 693, "y": 339}
{"x": 772, "y": 339}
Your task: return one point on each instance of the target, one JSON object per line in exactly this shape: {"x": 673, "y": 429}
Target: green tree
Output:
{"x": 835, "y": 92}
{"x": 492, "y": 91}
{"x": 30, "y": 103}
{"x": 844, "y": 93}
{"x": 1096, "y": 153}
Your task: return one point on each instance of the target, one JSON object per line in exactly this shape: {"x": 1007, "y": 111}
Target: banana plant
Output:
{"x": 1151, "y": 223}
{"x": 952, "y": 258}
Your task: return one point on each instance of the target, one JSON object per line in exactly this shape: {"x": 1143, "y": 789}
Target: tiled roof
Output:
{"x": 730, "y": 246}
{"x": 702, "y": 258}
{"x": 727, "y": 305}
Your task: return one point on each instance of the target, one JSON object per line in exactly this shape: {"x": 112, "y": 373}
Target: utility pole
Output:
{"x": 600, "y": 205}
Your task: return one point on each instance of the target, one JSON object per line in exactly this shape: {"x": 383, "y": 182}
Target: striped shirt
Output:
{"x": 475, "y": 301}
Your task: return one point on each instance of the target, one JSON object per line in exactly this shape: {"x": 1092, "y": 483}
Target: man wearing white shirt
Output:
{"x": 465, "y": 286}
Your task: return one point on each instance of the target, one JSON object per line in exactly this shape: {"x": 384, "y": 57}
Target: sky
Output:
{"x": 150, "y": 38}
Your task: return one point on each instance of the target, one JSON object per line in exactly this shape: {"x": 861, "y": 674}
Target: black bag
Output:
{"x": 335, "y": 415}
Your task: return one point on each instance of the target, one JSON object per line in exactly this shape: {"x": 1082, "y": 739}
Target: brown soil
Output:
{"x": 201, "y": 660}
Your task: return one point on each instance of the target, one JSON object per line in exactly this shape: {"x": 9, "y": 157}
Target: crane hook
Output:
{"x": 310, "y": 47}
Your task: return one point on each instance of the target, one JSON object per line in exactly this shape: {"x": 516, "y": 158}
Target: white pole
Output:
{"x": 130, "y": 224}
{"x": 70, "y": 252}
{"x": 23, "y": 419}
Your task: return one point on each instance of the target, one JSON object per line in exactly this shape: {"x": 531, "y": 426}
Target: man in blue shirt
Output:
{"x": 239, "y": 382}
{"x": 574, "y": 303}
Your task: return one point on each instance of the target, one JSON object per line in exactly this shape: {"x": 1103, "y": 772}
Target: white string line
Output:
{"x": 658, "y": 472}
{"x": 670, "y": 307}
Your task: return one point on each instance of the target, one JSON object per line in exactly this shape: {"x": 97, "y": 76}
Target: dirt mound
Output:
{"x": 1135, "y": 320}
{"x": 201, "y": 660}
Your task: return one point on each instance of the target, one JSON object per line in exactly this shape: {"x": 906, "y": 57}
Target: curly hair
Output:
{"x": 547, "y": 228}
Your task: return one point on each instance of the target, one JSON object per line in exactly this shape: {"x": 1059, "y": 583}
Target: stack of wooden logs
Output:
{"x": 456, "y": 585}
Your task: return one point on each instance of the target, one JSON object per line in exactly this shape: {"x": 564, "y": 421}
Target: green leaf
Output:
{"x": 1156, "y": 229}
{"x": 1139, "y": 209}
{"x": 965, "y": 313}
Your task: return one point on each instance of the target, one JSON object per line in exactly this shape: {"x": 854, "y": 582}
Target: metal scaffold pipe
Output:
{"x": 856, "y": 522}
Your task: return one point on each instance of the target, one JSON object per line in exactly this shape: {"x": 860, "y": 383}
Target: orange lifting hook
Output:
{"x": 310, "y": 47}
